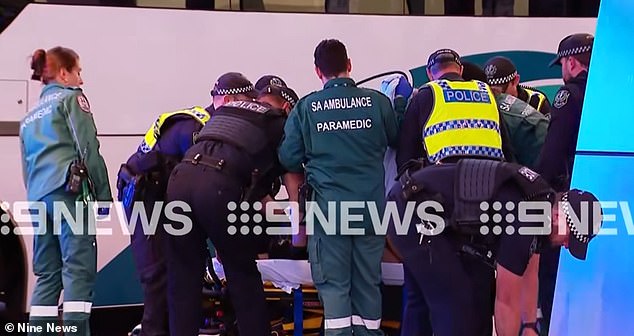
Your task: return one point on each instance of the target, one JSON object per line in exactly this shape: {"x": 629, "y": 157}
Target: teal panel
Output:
{"x": 118, "y": 282}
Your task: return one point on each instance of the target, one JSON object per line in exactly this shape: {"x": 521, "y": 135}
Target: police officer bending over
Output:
{"x": 143, "y": 179}
{"x": 233, "y": 160}
{"x": 471, "y": 225}
{"x": 503, "y": 77}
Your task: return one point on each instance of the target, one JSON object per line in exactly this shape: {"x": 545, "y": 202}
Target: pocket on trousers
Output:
{"x": 316, "y": 263}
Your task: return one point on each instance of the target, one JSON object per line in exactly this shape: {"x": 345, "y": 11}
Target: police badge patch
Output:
{"x": 276, "y": 82}
{"x": 528, "y": 173}
{"x": 561, "y": 99}
{"x": 83, "y": 103}
{"x": 490, "y": 70}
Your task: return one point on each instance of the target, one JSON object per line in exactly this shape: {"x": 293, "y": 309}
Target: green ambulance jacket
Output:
{"x": 527, "y": 128}
{"x": 48, "y": 145}
{"x": 340, "y": 135}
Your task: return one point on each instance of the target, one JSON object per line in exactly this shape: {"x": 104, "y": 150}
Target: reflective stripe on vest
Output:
{"x": 464, "y": 122}
{"x": 153, "y": 134}
{"x": 541, "y": 98}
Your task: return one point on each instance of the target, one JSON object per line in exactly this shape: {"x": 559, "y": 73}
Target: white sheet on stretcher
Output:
{"x": 290, "y": 274}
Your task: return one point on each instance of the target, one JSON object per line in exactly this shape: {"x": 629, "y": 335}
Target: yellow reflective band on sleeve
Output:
{"x": 153, "y": 134}
{"x": 464, "y": 121}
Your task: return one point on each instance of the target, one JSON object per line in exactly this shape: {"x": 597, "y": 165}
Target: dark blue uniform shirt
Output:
{"x": 176, "y": 138}
{"x": 558, "y": 151}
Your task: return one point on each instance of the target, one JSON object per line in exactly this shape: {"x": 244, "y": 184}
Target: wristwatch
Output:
{"x": 529, "y": 325}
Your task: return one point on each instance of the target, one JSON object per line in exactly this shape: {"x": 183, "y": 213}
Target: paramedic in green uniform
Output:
{"x": 340, "y": 135}
{"x": 53, "y": 135}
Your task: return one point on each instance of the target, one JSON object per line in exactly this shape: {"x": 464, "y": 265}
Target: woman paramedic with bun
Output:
{"x": 63, "y": 171}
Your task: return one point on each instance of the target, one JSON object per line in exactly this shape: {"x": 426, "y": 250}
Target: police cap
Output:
{"x": 443, "y": 56}
{"x": 267, "y": 80}
{"x": 283, "y": 92}
{"x": 472, "y": 71}
{"x": 572, "y": 203}
{"x": 233, "y": 83}
{"x": 574, "y": 44}
{"x": 500, "y": 70}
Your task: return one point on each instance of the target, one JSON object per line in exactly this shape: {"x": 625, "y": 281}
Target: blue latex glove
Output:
{"x": 403, "y": 88}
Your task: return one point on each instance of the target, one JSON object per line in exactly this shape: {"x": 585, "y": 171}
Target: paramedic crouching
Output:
{"x": 474, "y": 217}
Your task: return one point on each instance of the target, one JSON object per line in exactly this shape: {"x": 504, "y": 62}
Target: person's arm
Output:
{"x": 293, "y": 181}
{"x": 390, "y": 119}
{"x": 85, "y": 130}
{"x": 292, "y": 150}
{"x": 410, "y": 144}
{"x": 529, "y": 294}
{"x": 507, "y": 302}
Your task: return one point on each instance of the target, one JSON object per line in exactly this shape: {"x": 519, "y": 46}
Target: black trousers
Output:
{"x": 208, "y": 192}
{"x": 149, "y": 258}
{"x": 457, "y": 289}
{"x": 548, "y": 267}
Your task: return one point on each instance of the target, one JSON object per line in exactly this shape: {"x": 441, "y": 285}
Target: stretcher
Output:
{"x": 293, "y": 277}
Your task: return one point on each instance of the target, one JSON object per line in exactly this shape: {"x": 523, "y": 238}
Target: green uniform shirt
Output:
{"x": 48, "y": 145}
{"x": 527, "y": 128}
{"x": 340, "y": 135}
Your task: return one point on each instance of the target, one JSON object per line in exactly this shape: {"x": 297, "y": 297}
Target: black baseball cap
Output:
{"x": 571, "y": 207}
{"x": 267, "y": 80}
{"x": 443, "y": 56}
{"x": 284, "y": 92}
{"x": 233, "y": 83}
{"x": 500, "y": 70}
{"x": 574, "y": 44}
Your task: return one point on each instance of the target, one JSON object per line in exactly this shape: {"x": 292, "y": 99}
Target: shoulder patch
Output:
{"x": 83, "y": 103}
{"x": 528, "y": 174}
{"x": 561, "y": 99}
{"x": 510, "y": 99}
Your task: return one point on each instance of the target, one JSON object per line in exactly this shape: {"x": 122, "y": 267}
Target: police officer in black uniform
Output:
{"x": 502, "y": 76}
{"x": 558, "y": 152}
{"x": 449, "y": 241}
{"x": 233, "y": 160}
{"x": 143, "y": 179}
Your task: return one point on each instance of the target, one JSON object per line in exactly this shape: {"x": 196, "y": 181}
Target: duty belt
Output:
{"x": 205, "y": 160}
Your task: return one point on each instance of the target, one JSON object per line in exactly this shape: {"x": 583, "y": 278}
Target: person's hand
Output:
{"x": 403, "y": 88}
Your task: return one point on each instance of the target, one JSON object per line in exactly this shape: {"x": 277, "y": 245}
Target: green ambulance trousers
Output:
{"x": 346, "y": 271}
{"x": 65, "y": 260}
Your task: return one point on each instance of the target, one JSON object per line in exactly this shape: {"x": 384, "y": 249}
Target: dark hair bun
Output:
{"x": 38, "y": 63}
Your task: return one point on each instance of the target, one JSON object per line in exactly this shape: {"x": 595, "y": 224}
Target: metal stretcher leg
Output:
{"x": 298, "y": 312}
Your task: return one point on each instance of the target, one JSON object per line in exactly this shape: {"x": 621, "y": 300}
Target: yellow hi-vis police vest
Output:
{"x": 464, "y": 122}
{"x": 541, "y": 98}
{"x": 153, "y": 134}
